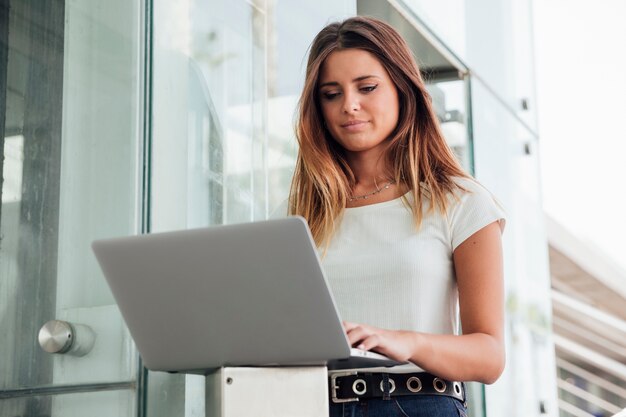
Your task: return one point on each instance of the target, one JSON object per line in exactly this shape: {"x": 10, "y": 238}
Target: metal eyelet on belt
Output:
{"x": 356, "y": 384}
{"x": 410, "y": 386}
{"x": 392, "y": 383}
{"x": 439, "y": 385}
{"x": 457, "y": 388}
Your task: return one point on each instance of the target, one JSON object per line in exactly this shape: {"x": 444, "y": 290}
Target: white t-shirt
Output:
{"x": 383, "y": 272}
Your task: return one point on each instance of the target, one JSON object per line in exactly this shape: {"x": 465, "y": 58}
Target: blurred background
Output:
{"x": 137, "y": 116}
{"x": 579, "y": 50}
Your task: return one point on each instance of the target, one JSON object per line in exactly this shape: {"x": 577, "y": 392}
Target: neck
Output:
{"x": 369, "y": 174}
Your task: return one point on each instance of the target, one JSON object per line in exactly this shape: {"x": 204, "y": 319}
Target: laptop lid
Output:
{"x": 250, "y": 294}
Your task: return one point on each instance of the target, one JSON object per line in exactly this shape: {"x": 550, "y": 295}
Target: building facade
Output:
{"x": 126, "y": 117}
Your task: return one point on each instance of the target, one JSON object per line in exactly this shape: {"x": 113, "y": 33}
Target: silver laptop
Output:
{"x": 250, "y": 294}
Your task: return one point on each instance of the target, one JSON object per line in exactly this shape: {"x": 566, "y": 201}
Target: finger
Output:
{"x": 357, "y": 335}
{"x": 370, "y": 342}
{"x": 347, "y": 325}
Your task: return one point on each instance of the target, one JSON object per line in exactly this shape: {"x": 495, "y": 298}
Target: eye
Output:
{"x": 369, "y": 88}
{"x": 329, "y": 95}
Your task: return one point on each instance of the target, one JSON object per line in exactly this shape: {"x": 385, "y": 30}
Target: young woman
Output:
{"x": 410, "y": 243}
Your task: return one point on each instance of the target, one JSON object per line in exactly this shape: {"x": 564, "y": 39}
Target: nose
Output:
{"x": 350, "y": 103}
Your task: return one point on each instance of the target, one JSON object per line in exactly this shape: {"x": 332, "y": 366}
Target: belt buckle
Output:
{"x": 334, "y": 387}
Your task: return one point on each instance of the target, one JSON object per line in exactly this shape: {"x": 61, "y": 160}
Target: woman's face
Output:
{"x": 358, "y": 99}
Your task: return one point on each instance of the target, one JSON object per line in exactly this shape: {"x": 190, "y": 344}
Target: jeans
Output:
{"x": 401, "y": 406}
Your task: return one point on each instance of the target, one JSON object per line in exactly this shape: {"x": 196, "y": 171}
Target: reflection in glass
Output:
{"x": 29, "y": 226}
{"x": 228, "y": 50}
{"x": 69, "y": 140}
{"x": 449, "y": 101}
{"x": 206, "y": 153}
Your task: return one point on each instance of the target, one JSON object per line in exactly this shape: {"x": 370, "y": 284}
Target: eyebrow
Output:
{"x": 361, "y": 78}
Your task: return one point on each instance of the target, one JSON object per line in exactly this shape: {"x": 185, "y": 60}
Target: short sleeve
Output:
{"x": 476, "y": 209}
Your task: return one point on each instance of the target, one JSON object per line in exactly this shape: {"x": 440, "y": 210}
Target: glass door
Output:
{"x": 71, "y": 171}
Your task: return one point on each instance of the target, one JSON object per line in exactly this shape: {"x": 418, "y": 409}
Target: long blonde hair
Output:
{"x": 416, "y": 150}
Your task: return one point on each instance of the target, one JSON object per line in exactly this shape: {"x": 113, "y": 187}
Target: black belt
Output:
{"x": 353, "y": 386}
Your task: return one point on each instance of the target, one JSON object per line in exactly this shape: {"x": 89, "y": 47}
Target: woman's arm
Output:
{"x": 478, "y": 354}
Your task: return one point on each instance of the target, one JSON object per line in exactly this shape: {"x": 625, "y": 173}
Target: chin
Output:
{"x": 356, "y": 146}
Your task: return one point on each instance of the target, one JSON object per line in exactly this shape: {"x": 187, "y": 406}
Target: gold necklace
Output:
{"x": 366, "y": 196}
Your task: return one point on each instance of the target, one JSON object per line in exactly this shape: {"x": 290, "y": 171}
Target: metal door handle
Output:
{"x": 58, "y": 336}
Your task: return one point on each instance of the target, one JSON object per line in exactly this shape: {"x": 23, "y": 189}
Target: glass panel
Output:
{"x": 70, "y": 140}
{"x": 446, "y": 18}
{"x": 29, "y": 222}
{"x": 494, "y": 38}
{"x": 507, "y": 163}
{"x": 93, "y": 404}
{"x": 226, "y": 77}
{"x": 241, "y": 103}
{"x": 225, "y": 84}
{"x": 100, "y": 191}
{"x": 450, "y": 102}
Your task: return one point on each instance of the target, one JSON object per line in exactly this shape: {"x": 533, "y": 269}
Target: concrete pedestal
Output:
{"x": 271, "y": 392}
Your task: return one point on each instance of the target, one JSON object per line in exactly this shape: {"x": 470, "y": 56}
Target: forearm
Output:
{"x": 476, "y": 356}
{"x": 472, "y": 357}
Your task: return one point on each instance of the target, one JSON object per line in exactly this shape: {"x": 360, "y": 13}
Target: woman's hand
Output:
{"x": 399, "y": 345}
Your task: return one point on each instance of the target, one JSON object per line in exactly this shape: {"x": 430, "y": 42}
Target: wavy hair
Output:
{"x": 416, "y": 150}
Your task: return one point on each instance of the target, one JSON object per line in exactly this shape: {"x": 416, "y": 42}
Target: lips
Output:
{"x": 354, "y": 124}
